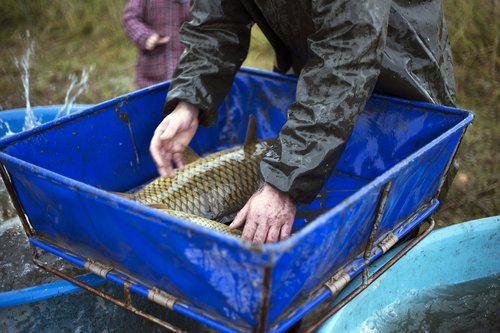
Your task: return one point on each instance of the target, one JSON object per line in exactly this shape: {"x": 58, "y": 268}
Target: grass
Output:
{"x": 69, "y": 36}
{"x": 473, "y": 28}
{"x": 72, "y": 35}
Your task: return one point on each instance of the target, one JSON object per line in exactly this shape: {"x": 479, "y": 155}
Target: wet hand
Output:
{"x": 172, "y": 136}
{"x": 268, "y": 216}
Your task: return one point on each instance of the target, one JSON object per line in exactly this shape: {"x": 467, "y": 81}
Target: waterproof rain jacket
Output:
{"x": 341, "y": 51}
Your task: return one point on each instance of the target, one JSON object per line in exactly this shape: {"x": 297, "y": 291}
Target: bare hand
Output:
{"x": 154, "y": 40}
{"x": 172, "y": 136}
{"x": 268, "y": 216}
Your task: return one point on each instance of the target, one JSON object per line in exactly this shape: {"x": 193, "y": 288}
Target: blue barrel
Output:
{"x": 457, "y": 256}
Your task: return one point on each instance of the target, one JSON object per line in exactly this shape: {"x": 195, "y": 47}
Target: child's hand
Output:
{"x": 154, "y": 40}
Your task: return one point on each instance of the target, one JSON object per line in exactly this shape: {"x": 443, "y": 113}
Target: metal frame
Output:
{"x": 126, "y": 303}
{"x": 380, "y": 212}
{"x": 368, "y": 280}
{"x": 342, "y": 277}
{"x": 28, "y": 229}
{"x": 153, "y": 294}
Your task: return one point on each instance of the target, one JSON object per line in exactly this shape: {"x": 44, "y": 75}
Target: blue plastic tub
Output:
{"x": 14, "y": 118}
{"x": 390, "y": 172}
{"x": 449, "y": 256}
{"x": 63, "y": 307}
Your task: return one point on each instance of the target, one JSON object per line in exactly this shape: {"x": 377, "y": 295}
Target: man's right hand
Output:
{"x": 172, "y": 136}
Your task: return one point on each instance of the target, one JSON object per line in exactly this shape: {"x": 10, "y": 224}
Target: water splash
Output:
{"x": 75, "y": 89}
{"x": 8, "y": 131}
{"x": 23, "y": 64}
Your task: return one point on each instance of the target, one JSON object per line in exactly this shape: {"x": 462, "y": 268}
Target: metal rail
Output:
{"x": 126, "y": 304}
{"x": 378, "y": 218}
{"x": 15, "y": 201}
{"x": 372, "y": 278}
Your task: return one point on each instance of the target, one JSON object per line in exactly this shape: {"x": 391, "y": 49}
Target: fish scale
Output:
{"x": 206, "y": 223}
{"x": 211, "y": 187}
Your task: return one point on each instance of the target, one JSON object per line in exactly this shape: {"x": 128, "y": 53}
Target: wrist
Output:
{"x": 266, "y": 187}
{"x": 187, "y": 107}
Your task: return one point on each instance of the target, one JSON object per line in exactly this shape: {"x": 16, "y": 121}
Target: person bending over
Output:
{"x": 341, "y": 51}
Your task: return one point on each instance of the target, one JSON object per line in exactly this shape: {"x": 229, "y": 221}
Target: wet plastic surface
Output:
{"x": 62, "y": 173}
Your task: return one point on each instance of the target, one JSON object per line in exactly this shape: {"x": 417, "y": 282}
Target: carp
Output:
{"x": 201, "y": 221}
{"x": 211, "y": 187}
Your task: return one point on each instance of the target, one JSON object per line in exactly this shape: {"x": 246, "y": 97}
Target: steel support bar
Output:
{"x": 378, "y": 218}
{"x": 154, "y": 294}
{"x": 15, "y": 201}
{"x": 372, "y": 278}
{"x": 124, "y": 304}
{"x": 353, "y": 271}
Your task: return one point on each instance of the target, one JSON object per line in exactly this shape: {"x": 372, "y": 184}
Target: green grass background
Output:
{"x": 71, "y": 35}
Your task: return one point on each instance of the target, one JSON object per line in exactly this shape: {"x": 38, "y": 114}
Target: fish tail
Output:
{"x": 189, "y": 155}
{"x": 251, "y": 137}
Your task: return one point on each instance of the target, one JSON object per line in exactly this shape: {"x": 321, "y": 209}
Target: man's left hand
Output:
{"x": 268, "y": 216}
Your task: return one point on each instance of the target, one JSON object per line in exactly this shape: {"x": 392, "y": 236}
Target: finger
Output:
{"x": 261, "y": 232}
{"x": 163, "y": 40}
{"x": 249, "y": 230}
{"x": 151, "y": 41}
{"x": 273, "y": 234}
{"x": 288, "y": 220}
{"x": 156, "y": 154}
{"x": 178, "y": 160}
{"x": 167, "y": 169}
{"x": 156, "y": 144}
{"x": 286, "y": 230}
{"x": 240, "y": 218}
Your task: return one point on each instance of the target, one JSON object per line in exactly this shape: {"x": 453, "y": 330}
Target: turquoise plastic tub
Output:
{"x": 447, "y": 257}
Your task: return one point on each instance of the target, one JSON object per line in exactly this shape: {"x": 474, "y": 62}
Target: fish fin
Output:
{"x": 125, "y": 195}
{"x": 189, "y": 155}
{"x": 158, "y": 206}
{"x": 251, "y": 137}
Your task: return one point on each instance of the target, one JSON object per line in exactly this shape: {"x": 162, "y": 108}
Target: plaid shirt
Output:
{"x": 141, "y": 19}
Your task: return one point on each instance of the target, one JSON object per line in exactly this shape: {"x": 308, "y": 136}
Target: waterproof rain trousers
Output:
{"x": 341, "y": 51}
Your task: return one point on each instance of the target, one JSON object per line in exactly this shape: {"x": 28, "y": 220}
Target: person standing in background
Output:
{"x": 153, "y": 26}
